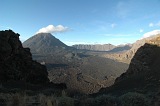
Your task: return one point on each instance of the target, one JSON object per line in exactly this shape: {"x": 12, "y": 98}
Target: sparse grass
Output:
{"x": 21, "y": 99}
{"x": 134, "y": 99}
{"x": 65, "y": 101}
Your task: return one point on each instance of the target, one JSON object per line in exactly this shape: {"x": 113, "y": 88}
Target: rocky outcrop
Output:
{"x": 96, "y": 47}
{"x": 145, "y": 61}
{"x": 143, "y": 74}
{"x": 16, "y": 62}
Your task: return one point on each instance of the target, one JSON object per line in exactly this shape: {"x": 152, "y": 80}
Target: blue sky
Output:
{"x": 82, "y": 21}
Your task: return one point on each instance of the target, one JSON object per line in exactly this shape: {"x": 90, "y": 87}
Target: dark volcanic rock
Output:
{"x": 143, "y": 74}
{"x": 143, "y": 65}
{"x": 145, "y": 61}
{"x": 16, "y": 62}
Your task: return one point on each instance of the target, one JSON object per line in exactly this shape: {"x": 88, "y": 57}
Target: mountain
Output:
{"x": 96, "y": 47}
{"x": 143, "y": 75}
{"x": 45, "y": 43}
{"x": 104, "y": 47}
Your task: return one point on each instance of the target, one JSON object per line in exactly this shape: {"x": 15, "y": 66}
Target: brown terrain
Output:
{"x": 79, "y": 69}
{"x": 128, "y": 55}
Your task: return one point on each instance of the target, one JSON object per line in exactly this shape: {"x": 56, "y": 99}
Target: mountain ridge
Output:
{"x": 128, "y": 55}
{"x": 95, "y": 47}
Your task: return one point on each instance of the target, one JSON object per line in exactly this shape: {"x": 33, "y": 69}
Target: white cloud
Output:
{"x": 53, "y": 29}
{"x": 151, "y": 24}
{"x": 151, "y": 33}
{"x": 141, "y": 30}
{"x": 113, "y": 25}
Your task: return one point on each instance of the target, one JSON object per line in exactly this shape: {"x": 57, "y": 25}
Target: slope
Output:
{"x": 143, "y": 75}
{"x": 128, "y": 55}
{"x": 44, "y": 43}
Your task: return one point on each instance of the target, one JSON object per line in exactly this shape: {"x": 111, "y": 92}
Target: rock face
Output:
{"x": 143, "y": 74}
{"x": 144, "y": 64}
{"x": 145, "y": 61}
{"x": 96, "y": 47}
{"x": 16, "y": 62}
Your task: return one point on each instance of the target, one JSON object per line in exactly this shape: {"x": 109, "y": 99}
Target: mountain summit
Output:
{"x": 44, "y": 43}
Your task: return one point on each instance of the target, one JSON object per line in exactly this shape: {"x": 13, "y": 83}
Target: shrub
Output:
{"x": 90, "y": 102}
{"x": 106, "y": 100}
{"x": 103, "y": 100}
{"x": 16, "y": 100}
{"x": 65, "y": 101}
{"x": 47, "y": 100}
{"x": 133, "y": 99}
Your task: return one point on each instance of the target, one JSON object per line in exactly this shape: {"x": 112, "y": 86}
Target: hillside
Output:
{"x": 128, "y": 55}
{"x": 144, "y": 65}
{"x": 143, "y": 74}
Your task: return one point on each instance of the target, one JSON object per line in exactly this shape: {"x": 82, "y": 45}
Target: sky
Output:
{"x": 82, "y": 21}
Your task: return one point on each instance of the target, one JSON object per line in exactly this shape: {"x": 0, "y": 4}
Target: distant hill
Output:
{"x": 121, "y": 48}
{"x": 45, "y": 43}
{"x": 96, "y": 47}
